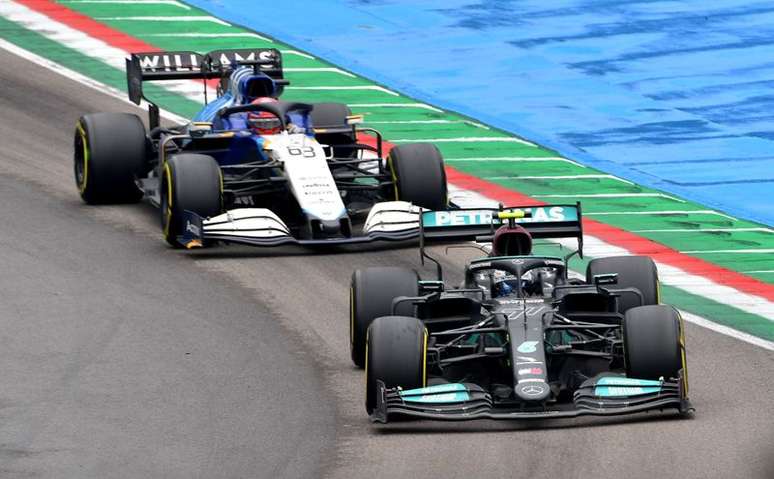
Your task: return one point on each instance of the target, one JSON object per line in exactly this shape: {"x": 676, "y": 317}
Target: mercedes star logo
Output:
{"x": 533, "y": 390}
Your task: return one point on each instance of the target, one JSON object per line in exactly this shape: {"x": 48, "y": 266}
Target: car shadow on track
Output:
{"x": 488, "y": 426}
{"x": 239, "y": 251}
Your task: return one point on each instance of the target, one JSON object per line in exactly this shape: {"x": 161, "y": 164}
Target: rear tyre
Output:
{"x": 653, "y": 342}
{"x": 190, "y": 182}
{"x": 419, "y": 175}
{"x": 397, "y": 351}
{"x": 633, "y": 272}
{"x": 334, "y": 115}
{"x": 109, "y": 153}
{"x": 371, "y": 293}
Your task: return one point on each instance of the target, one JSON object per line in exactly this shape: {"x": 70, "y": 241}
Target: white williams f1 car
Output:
{"x": 251, "y": 168}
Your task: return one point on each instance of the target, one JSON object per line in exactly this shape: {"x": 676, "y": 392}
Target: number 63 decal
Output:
{"x": 305, "y": 151}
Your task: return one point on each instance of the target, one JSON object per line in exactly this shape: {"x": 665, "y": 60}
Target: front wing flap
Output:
{"x": 388, "y": 221}
{"x": 601, "y": 396}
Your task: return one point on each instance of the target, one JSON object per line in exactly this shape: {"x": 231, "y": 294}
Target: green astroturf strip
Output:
{"x": 486, "y": 149}
{"x": 579, "y": 185}
{"x": 515, "y": 168}
{"x": 709, "y": 240}
{"x": 129, "y": 9}
{"x": 742, "y": 261}
{"x": 675, "y": 221}
{"x": 149, "y": 31}
{"x": 440, "y": 130}
{"x": 343, "y": 96}
{"x": 326, "y": 79}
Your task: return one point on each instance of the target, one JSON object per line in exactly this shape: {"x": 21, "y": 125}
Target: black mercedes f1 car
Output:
{"x": 520, "y": 338}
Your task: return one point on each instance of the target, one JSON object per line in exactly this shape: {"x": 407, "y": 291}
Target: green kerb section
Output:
{"x": 518, "y": 165}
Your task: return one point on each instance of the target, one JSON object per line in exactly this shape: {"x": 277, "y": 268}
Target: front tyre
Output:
{"x": 396, "y": 355}
{"x": 654, "y": 344}
{"x": 419, "y": 175}
{"x": 371, "y": 293}
{"x": 638, "y": 272}
{"x": 109, "y": 153}
{"x": 190, "y": 182}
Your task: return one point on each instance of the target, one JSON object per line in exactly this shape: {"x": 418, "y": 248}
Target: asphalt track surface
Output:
{"x": 123, "y": 358}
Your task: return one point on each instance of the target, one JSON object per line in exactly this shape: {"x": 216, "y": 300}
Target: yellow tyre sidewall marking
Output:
{"x": 394, "y": 176}
{"x": 168, "y": 212}
{"x": 424, "y": 358}
{"x": 368, "y": 334}
{"x": 85, "y": 173}
{"x": 682, "y": 353}
{"x": 351, "y": 316}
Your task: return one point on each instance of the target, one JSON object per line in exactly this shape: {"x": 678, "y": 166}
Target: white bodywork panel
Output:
{"x": 245, "y": 221}
{"x": 391, "y": 216}
{"x": 308, "y": 174}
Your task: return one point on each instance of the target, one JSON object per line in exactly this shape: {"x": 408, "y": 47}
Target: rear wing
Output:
{"x": 480, "y": 224}
{"x": 471, "y": 224}
{"x": 189, "y": 65}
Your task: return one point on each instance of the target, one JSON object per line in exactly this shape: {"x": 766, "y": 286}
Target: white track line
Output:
{"x": 131, "y": 2}
{"x": 297, "y": 53}
{"x": 559, "y": 177}
{"x": 704, "y": 230}
{"x": 517, "y": 159}
{"x": 660, "y": 212}
{"x": 719, "y": 328}
{"x": 474, "y": 139}
{"x": 732, "y": 251}
{"x": 355, "y": 87}
{"x": 211, "y": 35}
{"x": 424, "y": 106}
{"x": 186, "y": 18}
{"x": 418, "y": 122}
{"x": 319, "y": 70}
{"x": 613, "y": 195}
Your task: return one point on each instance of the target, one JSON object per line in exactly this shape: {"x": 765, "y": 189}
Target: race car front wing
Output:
{"x": 600, "y": 396}
{"x": 387, "y": 221}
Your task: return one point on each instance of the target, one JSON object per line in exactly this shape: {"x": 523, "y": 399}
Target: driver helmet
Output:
{"x": 263, "y": 122}
{"x": 505, "y": 284}
{"x": 535, "y": 282}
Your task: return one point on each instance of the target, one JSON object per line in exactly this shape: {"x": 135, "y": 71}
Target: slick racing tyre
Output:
{"x": 371, "y": 293}
{"x": 109, "y": 153}
{"x": 654, "y": 344}
{"x": 190, "y": 182}
{"x": 397, "y": 354}
{"x": 633, "y": 272}
{"x": 419, "y": 176}
{"x": 334, "y": 115}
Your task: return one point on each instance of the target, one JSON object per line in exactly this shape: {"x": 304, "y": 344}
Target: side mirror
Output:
{"x": 431, "y": 287}
{"x": 354, "y": 119}
{"x": 605, "y": 279}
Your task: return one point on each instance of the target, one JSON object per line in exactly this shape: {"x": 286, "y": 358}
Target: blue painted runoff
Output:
{"x": 675, "y": 95}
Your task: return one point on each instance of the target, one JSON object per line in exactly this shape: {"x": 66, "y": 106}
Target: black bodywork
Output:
{"x": 527, "y": 354}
